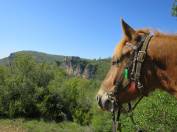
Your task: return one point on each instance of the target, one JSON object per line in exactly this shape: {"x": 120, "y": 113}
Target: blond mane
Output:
{"x": 118, "y": 50}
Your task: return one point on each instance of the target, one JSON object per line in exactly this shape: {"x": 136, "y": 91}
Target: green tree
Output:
{"x": 76, "y": 100}
{"x": 3, "y": 76}
{"x": 19, "y": 99}
{"x": 174, "y": 8}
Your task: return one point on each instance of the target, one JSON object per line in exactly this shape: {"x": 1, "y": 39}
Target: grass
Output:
{"x": 7, "y": 125}
{"x": 24, "y": 125}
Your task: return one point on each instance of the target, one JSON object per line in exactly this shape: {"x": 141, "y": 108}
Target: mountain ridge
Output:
{"x": 40, "y": 56}
{"x": 74, "y": 65}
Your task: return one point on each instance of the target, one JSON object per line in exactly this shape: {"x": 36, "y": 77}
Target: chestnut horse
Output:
{"x": 158, "y": 69}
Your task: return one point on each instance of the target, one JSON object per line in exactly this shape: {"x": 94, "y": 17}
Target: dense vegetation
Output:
{"x": 44, "y": 92}
{"x": 174, "y": 8}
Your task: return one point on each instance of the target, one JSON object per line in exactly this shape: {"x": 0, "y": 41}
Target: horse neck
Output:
{"x": 160, "y": 70}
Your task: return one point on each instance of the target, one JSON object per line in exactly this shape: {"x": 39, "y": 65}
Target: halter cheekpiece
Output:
{"x": 132, "y": 72}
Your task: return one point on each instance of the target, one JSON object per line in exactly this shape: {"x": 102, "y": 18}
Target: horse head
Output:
{"x": 119, "y": 84}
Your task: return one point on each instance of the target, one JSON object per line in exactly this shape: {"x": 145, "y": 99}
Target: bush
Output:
{"x": 102, "y": 121}
{"x": 76, "y": 103}
{"x": 154, "y": 113}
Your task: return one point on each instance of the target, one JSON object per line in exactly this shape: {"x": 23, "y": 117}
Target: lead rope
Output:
{"x": 119, "y": 127}
{"x": 116, "y": 123}
{"x": 131, "y": 112}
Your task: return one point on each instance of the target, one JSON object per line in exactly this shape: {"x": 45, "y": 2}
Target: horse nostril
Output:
{"x": 108, "y": 104}
{"x": 98, "y": 98}
{"x": 104, "y": 102}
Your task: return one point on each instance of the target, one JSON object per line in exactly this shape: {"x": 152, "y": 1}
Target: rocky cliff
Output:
{"x": 79, "y": 67}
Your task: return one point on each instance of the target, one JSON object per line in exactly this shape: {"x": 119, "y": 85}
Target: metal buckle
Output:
{"x": 141, "y": 56}
{"x": 130, "y": 45}
{"x": 140, "y": 86}
{"x": 142, "y": 52}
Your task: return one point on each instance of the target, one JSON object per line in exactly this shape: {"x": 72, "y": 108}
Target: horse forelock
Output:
{"x": 118, "y": 50}
{"x": 119, "y": 47}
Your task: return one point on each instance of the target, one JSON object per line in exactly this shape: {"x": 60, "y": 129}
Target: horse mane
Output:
{"x": 118, "y": 50}
{"x": 156, "y": 33}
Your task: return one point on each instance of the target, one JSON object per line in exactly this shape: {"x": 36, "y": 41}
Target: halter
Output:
{"x": 133, "y": 68}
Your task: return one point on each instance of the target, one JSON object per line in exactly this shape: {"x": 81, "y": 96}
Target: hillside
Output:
{"x": 73, "y": 65}
{"x": 38, "y": 56}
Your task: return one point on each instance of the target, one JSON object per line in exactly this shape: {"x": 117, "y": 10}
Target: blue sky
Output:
{"x": 85, "y": 28}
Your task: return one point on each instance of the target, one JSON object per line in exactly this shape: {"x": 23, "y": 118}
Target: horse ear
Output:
{"x": 129, "y": 32}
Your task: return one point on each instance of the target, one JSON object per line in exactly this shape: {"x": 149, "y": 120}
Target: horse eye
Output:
{"x": 138, "y": 38}
{"x": 113, "y": 62}
{"x": 116, "y": 62}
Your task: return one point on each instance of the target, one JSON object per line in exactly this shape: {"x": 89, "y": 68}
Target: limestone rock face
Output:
{"x": 89, "y": 71}
{"x": 79, "y": 70}
{"x": 78, "y": 67}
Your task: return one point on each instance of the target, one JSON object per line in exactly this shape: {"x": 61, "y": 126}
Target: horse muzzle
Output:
{"x": 106, "y": 103}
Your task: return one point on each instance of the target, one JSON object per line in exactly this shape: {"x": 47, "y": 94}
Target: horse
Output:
{"x": 144, "y": 60}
